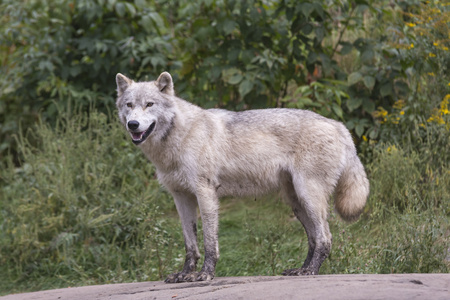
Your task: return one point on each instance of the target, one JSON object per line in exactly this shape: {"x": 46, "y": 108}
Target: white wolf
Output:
{"x": 202, "y": 155}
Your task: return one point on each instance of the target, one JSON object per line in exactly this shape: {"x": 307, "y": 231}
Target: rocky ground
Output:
{"x": 371, "y": 286}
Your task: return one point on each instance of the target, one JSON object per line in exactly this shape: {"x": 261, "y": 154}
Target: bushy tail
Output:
{"x": 352, "y": 189}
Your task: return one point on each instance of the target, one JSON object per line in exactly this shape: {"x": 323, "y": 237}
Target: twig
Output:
{"x": 342, "y": 32}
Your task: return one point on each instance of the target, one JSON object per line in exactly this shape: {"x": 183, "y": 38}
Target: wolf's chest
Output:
{"x": 176, "y": 180}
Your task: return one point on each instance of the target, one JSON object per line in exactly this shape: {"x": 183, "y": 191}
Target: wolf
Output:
{"x": 202, "y": 155}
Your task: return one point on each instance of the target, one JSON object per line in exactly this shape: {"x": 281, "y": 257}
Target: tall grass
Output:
{"x": 84, "y": 208}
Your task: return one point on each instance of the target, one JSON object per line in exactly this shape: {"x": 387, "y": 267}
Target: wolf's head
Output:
{"x": 145, "y": 107}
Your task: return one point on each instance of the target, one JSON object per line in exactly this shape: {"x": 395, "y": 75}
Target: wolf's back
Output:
{"x": 352, "y": 189}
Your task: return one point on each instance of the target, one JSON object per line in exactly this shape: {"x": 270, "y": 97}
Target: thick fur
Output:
{"x": 202, "y": 155}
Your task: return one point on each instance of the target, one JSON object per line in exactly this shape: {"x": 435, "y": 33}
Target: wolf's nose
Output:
{"x": 133, "y": 125}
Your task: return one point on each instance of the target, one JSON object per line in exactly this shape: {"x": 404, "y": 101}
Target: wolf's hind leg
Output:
{"x": 309, "y": 203}
{"x": 187, "y": 209}
{"x": 291, "y": 197}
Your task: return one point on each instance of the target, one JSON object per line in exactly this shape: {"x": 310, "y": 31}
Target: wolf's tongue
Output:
{"x": 137, "y": 135}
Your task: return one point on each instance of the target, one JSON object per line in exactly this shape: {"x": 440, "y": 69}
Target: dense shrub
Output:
{"x": 232, "y": 54}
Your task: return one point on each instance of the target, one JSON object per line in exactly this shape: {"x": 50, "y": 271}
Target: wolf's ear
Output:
{"x": 165, "y": 83}
{"x": 123, "y": 83}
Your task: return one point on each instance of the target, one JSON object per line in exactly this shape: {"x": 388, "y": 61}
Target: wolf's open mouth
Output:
{"x": 139, "y": 137}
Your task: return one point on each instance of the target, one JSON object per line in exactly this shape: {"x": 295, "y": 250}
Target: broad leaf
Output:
{"x": 346, "y": 48}
{"x": 354, "y": 78}
{"x": 353, "y": 103}
{"x": 369, "y": 82}
{"x": 386, "y": 89}
{"x": 245, "y": 87}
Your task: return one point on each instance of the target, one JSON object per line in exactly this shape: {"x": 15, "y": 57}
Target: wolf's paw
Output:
{"x": 299, "y": 272}
{"x": 204, "y": 276}
{"x": 181, "y": 277}
{"x": 189, "y": 277}
{"x": 174, "y": 278}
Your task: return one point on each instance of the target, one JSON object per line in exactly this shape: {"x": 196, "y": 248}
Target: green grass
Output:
{"x": 85, "y": 208}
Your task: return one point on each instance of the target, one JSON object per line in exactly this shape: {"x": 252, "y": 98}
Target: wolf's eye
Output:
{"x": 129, "y": 104}
{"x": 149, "y": 104}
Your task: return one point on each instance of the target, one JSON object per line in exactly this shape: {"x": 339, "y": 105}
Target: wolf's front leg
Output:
{"x": 187, "y": 209}
{"x": 209, "y": 209}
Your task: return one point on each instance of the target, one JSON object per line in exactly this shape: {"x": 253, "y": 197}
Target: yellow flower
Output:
{"x": 364, "y": 138}
{"x": 432, "y": 55}
{"x": 411, "y": 24}
{"x": 431, "y": 74}
{"x": 399, "y": 104}
{"x": 445, "y": 48}
{"x": 435, "y": 44}
{"x": 391, "y": 149}
{"x": 411, "y": 46}
{"x": 437, "y": 114}
{"x": 402, "y": 113}
{"x": 380, "y": 113}
{"x": 444, "y": 105}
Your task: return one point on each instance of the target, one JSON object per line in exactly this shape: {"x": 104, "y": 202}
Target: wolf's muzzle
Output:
{"x": 133, "y": 125}
{"x": 139, "y": 136}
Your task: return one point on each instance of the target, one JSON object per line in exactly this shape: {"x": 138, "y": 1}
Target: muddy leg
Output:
{"x": 209, "y": 210}
{"x": 187, "y": 209}
{"x": 310, "y": 207}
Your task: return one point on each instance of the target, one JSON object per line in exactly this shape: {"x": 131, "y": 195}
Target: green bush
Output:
{"x": 232, "y": 54}
{"x": 66, "y": 53}
{"x": 421, "y": 42}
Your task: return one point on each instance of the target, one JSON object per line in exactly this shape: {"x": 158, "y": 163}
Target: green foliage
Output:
{"x": 420, "y": 43}
{"x": 244, "y": 54}
{"x": 408, "y": 181}
{"x": 65, "y": 53}
{"x": 318, "y": 95}
{"x": 230, "y": 54}
{"x": 396, "y": 178}
{"x": 396, "y": 243}
{"x": 84, "y": 206}
{"x": 255, "y": 242}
